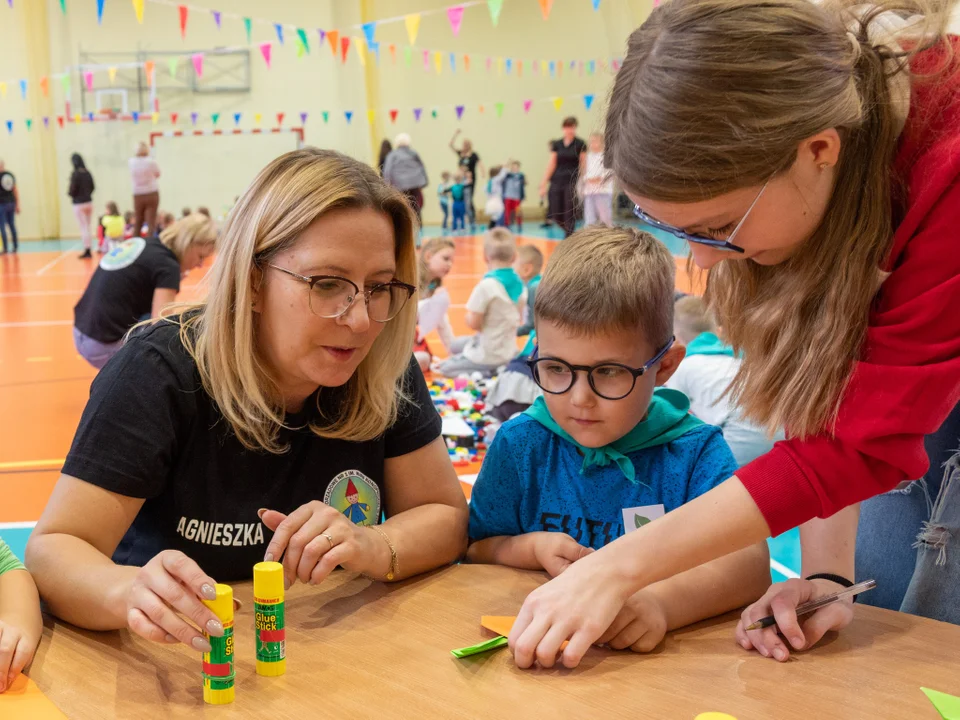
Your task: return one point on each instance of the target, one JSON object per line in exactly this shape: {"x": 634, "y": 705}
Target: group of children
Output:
{"x": 113, "y": 228}
{"x": 506, "y": 190}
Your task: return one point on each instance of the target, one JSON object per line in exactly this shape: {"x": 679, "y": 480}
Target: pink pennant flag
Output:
{"x": 88, "y": 79}
{"x": 527, "y": 104}
{"x": 455, "y": 16}
{"x": 426, "y": 60}
{"x": 489, "y": 63}
{"x": 198, "y": 63}
{"x": 265, "y": 50}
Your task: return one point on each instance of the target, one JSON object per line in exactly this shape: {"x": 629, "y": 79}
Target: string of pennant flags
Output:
{"x": 340, "y": 45}
{"x": 496, "y": 108}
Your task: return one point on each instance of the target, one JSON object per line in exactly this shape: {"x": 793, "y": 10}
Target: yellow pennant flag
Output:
{"x": 112, "y": 74}
{"x": 544, "y": 67}
{"x": 257, "y": 117}
{"x": 361, "y": 50}
{"x": 155, "y": 117}
{"x": 557, "y": 103}
{"x": 77, "y": 119}
{"x": 499, "y": 66}
{"x": 438, "y": 61}
{"x": 138, "y": 9}
{"x": 413, "y": 27}
{"x": 3, "y": 89}
{"x": 370, "y": 116}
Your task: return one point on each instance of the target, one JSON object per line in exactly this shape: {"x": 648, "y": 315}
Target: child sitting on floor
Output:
{"x": 493, "y": 310}
{"x": 436, "y": 260}
{"x": 114, "y": 228}
{"x": 20, "y": 620}
{"x": 704, "y": 376}
{"x": 603, "y": 451}
{"x": 529, "y": 264}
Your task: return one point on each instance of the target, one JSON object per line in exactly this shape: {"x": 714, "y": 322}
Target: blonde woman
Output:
{"x": 134, "y": 282}
{"x": 812, "y": 165}
{"x": 281, "y": 419}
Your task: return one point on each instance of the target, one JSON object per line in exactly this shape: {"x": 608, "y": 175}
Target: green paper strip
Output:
{"x": 947, "y": 705}
{"x": 497, "y": 642}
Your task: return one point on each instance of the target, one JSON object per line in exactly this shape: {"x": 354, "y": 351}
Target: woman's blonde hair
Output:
{"x": 221, "y": 334}
{"x": 194, "y": 229}
{"x": 431, "y": 247}
{"x": 716, "y": 95}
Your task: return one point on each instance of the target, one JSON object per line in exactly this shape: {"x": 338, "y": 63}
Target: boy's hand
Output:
{"x": 556, "y": 551}
{"x": 17, "y": 646}
{"x": 640, "y": 625}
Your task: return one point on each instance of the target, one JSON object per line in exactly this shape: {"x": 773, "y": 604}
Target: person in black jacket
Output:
{"x": 81, "y": 192}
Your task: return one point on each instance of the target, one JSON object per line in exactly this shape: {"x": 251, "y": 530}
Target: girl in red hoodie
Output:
{"x": 810, "y": 153}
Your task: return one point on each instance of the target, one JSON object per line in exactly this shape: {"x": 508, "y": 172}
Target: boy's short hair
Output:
{"x": 602, "y": 279}
{"x": 691, "y": 317}
{"x": 531, "y": 254}
{"x": 570, "y": 121}
{"x": 499, "y": 244}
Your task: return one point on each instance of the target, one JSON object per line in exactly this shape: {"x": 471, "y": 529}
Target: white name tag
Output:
{"x": 637, "y": 517}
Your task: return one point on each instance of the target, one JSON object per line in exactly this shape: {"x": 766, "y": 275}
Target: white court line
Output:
{"x": 35, "y": 323}
{"x": 783, "y": 569}
{"x": 64, "y": 254}
{"x": 18, "y": 525}
{"x": 40, "y": 293}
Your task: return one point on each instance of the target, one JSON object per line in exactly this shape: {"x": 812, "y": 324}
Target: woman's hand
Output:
{"x": 781, "y": 601}
{"x": 315, "y": 538}
{"x": 556, "y": 551}
{"x": 18, "y": 643}
{"x": 543, "y": 189}
{"x": 578, "y": 606}
{"x": 168, "y": 586}
{"x": 640, "y": 625}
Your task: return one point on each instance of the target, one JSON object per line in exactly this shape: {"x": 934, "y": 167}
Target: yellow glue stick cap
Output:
{"x": 268, "y": 581}
{"x": 714, "y": 716}
{"x": 223, "y": 606}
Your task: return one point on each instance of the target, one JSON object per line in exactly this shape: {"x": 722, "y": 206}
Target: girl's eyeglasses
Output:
{"x": 726, "y": 244}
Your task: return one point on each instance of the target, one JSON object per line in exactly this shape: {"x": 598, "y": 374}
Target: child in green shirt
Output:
{"x": 20, "y": 621}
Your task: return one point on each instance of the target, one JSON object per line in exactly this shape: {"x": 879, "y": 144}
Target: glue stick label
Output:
{"x": 271, "y": 635}
{"x": 218, "y": 663}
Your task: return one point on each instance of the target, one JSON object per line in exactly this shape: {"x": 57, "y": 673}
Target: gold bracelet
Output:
{"x": 394, "y": 565}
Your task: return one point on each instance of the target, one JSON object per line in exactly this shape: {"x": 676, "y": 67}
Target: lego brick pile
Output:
{"x": 461, "y": 404}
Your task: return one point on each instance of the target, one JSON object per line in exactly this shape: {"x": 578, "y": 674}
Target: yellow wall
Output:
{"x": 207, "y": 171}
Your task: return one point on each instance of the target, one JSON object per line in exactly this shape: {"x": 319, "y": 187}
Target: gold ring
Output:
{"x": 329, "y": 540}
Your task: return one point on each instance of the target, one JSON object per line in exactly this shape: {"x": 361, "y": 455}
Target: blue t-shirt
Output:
{"x": 530, "y": 481}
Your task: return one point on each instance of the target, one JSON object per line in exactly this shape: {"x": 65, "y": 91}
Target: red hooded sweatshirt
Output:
{"x": 907, "y": 379}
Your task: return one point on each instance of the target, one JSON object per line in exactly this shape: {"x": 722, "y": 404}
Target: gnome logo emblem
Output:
{"x": 356, "y": 496}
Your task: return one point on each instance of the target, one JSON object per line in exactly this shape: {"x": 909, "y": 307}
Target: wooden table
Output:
{"x": 362, "y": 649}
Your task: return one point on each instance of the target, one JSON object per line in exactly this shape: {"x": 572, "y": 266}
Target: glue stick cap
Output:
{"x": 714, "y": 716}
{"x": 268, "y": 581}
{"x": 223, "y": 606}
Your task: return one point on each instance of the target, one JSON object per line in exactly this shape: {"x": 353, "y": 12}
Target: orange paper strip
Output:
{"x": 23, "y": 699}
{"x": 502, "y": 625}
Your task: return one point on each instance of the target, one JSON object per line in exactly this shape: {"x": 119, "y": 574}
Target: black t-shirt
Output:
{"x": 120, "y": 293}
{"x": 7, "y": 183}
{"x": 568, "y": 160}
{"x": 81, "y": 187}
{"x": 151, "y": 431}
{"x": 469, "y": 162}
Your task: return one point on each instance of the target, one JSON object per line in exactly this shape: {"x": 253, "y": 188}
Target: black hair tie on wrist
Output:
{"x": 838, "y": 579}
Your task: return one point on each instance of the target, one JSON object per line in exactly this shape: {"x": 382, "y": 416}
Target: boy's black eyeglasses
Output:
{"x": 611, "y": 381}
{"x": 332, "y": 296}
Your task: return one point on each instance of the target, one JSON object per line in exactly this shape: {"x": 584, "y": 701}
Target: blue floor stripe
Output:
{"x": 16, "y": 538}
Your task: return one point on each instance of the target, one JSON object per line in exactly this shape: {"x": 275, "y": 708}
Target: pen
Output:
{"x": 813, "y": 605}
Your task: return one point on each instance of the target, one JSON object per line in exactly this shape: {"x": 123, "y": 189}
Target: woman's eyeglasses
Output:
{"x": 332, "y": 296}
{"x": 611, "y": 381}
{"x": 723, "y": 244}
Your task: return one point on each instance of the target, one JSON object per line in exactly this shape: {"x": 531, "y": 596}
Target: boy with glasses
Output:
{"x": 604, "y": 452}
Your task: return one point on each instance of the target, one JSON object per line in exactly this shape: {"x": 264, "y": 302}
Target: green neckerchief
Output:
{"x": 531, "y": 344}
{"x": 667, "y": 419}
{"x": 510, "y": 280}
{"x": 534, "y": 282}
{"x": 708, "y": 344}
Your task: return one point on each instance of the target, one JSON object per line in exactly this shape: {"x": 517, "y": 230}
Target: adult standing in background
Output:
{"x": 9, "y": 206}
{"x": 568, "y": 156}
{"x": 404, "y": 170}
{"x": 385, "y": 149}
{"x": 469, "y": 162}
{"x": 81, "y": 192}
{"x": 144, "y": 172}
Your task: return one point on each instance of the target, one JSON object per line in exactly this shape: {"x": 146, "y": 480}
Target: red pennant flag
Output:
{"x": 60, "y": 121}
{"x": 393, "y": 116}
{"x": 333, "y": 37}
{"x": 344, "y": 48}
{"x": 183, "y": 20}
{"x": 173, "y": 118}
{"x": 279, "y": 119}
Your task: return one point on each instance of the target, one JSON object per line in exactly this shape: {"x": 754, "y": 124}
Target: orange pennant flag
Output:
{"x": 148, "y": 67}
{"x": 466, "y": 63}
{"x": 545, "y": 6}
{"x": 45, "y": 85}
{"x": 333, "y": 37}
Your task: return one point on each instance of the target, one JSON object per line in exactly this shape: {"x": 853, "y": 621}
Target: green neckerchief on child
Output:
{"x": 510, "y": 280}
{"x": 708, "y": 344}
{"x": 530, "y": 346}
{"x": 534, "y": 282}
{"x": 668, "y": 418}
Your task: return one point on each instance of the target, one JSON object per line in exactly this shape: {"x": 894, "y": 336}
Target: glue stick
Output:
{"x": 268, "y": 610}
{"x": 218, "y": 674}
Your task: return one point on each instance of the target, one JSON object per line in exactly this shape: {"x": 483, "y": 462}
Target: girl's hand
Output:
{"x": 640, "y": 625}
{"x": 781, "y": 601}
{"x": 17, "y": 646}
{"x": 169, "y": 586}
{"x": 556, "y": 551}
{"x": 315, "y": 538}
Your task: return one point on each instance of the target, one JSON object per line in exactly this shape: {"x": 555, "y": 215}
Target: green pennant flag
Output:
{"x": 65, "y": 82}
{"x": 302, "y": 35}
{"x": 63, "y": 8}
{"x": 172, "y": 65}
{"x": 499, "y": 107}
{"x": 495, "y": 6}
{"x": 408, "y": 55}
{"x": 246, "y": 26}
{"x": 433, "y": 113}
{"x": 215, "y": 117}
{"x": 29, "y": 123}
{"x": 326, "y": 116}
